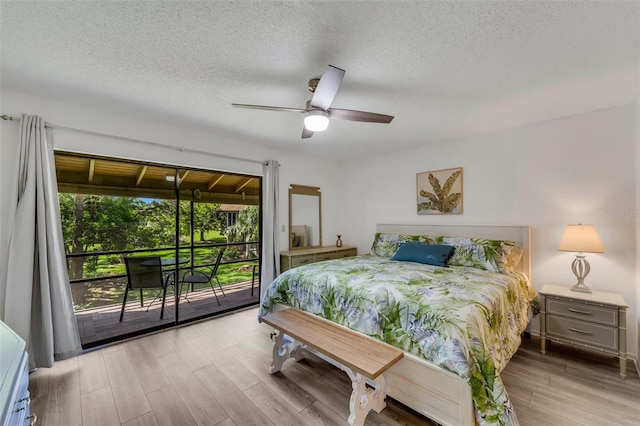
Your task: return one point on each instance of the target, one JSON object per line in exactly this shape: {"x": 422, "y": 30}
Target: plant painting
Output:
{"x": 439, "y": 192}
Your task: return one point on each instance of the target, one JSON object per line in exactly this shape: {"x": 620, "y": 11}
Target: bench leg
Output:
{"x": 284, "y": 350}
{"x": 364, "y": 399}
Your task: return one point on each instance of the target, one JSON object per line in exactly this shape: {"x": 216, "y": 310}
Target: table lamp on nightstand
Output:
{"x": 582, "y": 239}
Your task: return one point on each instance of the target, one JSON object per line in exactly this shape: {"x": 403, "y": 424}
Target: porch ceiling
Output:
{"x": 102, "y": 176}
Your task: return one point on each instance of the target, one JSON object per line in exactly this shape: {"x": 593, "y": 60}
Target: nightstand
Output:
{"x": 596, "y": 321}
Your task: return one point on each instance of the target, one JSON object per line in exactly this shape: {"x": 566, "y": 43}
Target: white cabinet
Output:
{"x": 14, "y": 380}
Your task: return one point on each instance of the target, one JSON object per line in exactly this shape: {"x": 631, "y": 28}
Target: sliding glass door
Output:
{"x": 200, "y": 227}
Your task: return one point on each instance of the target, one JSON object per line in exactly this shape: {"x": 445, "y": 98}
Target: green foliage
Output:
{"x": 110, "y": 223}
{"x": 93, "y": 223}
{"x": 246, "y": 227}
{"x": 207, "y": 218}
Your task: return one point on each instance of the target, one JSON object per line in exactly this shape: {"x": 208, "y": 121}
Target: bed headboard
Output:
{"x": 518, "y": 234}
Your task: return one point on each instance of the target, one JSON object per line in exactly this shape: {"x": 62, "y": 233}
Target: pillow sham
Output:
{"x": 512, "y": 255}
{"x": 492, "y": 255}
{"x": 430, "y": 254}
{"x": 386, "y": 244}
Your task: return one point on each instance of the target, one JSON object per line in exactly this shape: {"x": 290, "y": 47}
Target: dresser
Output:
{"x": 596, "y": 321}
{"x": 14, "y": 379}
{"x": 291, "y": 259}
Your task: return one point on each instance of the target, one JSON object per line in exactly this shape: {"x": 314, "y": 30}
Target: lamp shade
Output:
{"x": 316, "y": 120}
{"x": 581, "y": 238}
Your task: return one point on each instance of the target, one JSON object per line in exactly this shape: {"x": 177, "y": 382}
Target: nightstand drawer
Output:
{"x": 583, "y": 311}
{"x": 302, "y": 260}
{"x": 583, "y": 332}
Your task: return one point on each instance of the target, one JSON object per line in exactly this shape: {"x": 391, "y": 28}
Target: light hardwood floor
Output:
{"x": 216, "y": 373}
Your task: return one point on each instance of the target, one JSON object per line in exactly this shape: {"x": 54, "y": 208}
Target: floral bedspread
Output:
{"x": 463, "y": 319}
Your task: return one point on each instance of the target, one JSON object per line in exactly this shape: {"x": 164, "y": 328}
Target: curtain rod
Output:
{"x": 156, "y": 144}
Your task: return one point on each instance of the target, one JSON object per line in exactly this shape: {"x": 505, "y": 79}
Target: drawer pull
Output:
{"x": 578, "y": 311}
{"x": 580, "y": 331}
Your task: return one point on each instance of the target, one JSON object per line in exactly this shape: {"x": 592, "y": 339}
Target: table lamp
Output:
{"x": 581, "y": 239}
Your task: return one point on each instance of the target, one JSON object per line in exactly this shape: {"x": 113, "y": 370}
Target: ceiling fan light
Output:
{"x": 316, "y": 120}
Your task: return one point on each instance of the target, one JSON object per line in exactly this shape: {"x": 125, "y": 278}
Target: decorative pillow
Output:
{"x": 386, "y": 244}
{"x": 430, "y": 254}
{"x": 492, "y": 255}
{"x": 511, "y": 255}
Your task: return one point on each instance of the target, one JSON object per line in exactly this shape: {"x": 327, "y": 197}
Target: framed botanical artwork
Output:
{"x": 439, "y": 191}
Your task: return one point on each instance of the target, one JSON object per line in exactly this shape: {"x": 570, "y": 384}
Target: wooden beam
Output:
{"x": 92, "y": 166}
{"x": 214, "y": 182}
{"x": 167, "y": 194}
{"x": 184, "y": 176}
{"x": 243, "y": 184}
{"x": 141, "y": 175}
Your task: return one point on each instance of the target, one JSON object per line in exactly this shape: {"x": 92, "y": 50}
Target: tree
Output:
{"x": 158, "y": 225}
{"x": 246, "y": 227}
{"x": 98, "y": 223}
{"x": 208, "y": 217}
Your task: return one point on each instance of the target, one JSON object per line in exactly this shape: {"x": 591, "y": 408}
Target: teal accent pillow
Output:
{"x": 430, "y": 254}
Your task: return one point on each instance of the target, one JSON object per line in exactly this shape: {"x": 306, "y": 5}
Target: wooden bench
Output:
{"x": 363, "y": 358}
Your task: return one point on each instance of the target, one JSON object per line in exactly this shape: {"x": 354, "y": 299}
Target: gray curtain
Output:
{"x": 270, "y": 224}
{"x": 38, "y": 303}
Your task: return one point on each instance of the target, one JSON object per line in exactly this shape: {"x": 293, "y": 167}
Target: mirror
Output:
{"x": 305, "y": 217}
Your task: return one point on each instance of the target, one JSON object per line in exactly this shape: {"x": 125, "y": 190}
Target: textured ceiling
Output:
{"x": 444, "y": 69}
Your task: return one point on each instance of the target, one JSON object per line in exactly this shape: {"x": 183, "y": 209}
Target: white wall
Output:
{"x": 294, "y": 169}
{"x": 579, "y": 169}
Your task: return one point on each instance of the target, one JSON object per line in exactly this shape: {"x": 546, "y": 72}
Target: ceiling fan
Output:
{"x": 319, "y": 111}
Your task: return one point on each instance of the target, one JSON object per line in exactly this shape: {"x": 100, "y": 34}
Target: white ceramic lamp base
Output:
{"x": 581, "y": 269}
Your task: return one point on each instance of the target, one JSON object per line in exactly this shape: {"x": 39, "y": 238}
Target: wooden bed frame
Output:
{"x": 426, "y": 388}
{"x": 419, "y": 384}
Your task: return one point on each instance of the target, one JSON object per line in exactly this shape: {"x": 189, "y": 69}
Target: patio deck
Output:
{"x": 102, "y": 324}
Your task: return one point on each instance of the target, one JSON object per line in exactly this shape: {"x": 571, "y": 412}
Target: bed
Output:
{"x": 453, "y": 356}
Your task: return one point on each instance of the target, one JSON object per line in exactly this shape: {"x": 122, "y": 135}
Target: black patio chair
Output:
{"x": 200, "y": 277}
{"x": 144, "y": 273}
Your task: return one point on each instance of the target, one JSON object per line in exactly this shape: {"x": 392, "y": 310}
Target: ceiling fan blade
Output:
{"x": 351, "y": 115}
{"x": 327, "y": 88}
{"x": 269, "y": 108}
{"x": 306, "y": 133}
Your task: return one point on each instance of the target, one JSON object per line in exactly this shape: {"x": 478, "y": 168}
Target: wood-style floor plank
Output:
{"x": 217, "y": 373}
{"x": 169, "y": 409}
{"x": 274, "y": 407}
{"x": 570, "y": 386}
{"x": 239, "y": 408}
{"x": 93, "y": 373}
{"x": 63, "y": 396}
{"x": 99, "y": 408}
{"x": 145, "y": 363}
{"x": 148, "y": 419}
{"x": 296, "y": 396}
{"x": 131, "y": 400}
